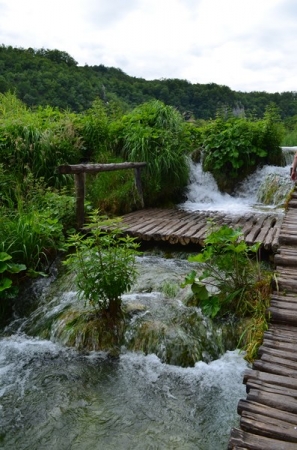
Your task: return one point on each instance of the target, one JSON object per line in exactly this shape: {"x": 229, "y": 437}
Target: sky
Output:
{"x": 247, "y": 45}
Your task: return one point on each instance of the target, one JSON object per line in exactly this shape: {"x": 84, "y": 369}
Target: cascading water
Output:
{"x": 56, "y": 397}
{"x": 204, "y": 195}
{"x": 53, "y": 396}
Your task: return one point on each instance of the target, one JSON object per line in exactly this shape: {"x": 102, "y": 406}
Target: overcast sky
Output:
{"x": 248, "y": 45}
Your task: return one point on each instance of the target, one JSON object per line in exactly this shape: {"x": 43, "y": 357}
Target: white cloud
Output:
{"x": 248, "y": 45}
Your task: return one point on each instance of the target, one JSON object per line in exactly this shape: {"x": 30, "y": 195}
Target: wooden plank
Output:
{"x": 270, "y": 352}
{"x": 267, "y": 387}
{"x": 255, "y": 231}
{"x": 284, "y": 305}
{"x": 243, "y": 440}
{"x": 277, "y": 401}
{"x": 268, "y": 426}
{"x": 250, "y": 406}
{"x": 277, "y": 380}
{"x": 265, "y": 366}
{"x": 282, "y": 315}
{"x": 280, "y": 360}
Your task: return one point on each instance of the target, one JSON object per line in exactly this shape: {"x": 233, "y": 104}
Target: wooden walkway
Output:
{"x": 269, "y": 412}
{"x": 177, "y": 226}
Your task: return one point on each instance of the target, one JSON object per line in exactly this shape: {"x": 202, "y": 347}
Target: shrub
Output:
{"x": 104, "y": 263}
{"x": 234, "y": 147}
{"x": 229, "y": 275}
{"x": 232, "y": 283}
{"x": 155, "y": 134}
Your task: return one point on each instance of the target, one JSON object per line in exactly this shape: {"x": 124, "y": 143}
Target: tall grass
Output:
{"x": 290, "y": 139}
{"x": 156, "y": 134}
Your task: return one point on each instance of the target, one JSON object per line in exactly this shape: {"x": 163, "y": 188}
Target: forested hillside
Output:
{"x": 53, "y": 77}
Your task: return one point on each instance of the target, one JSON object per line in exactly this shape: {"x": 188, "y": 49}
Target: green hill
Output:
{"x": 53, "y": 77}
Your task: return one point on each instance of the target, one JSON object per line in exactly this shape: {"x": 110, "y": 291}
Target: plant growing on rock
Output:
{"x": 104, "y": 263}
{"x": 229, "y": 274}
{"x": 232, "y": 282}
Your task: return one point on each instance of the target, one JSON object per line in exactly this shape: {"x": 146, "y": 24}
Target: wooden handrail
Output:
{"x": 79, "y": 171}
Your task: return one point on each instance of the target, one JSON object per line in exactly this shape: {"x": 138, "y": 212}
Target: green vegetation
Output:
{"x": 156, "y": 134}
{"x": 7, "y": 269}
{"x": 237, "y": 146}
{"x": 104, "y": 263}
{"x": 60, "y": 114}
{"x": 42, "y": 77}
{"x": 231, "y": 282}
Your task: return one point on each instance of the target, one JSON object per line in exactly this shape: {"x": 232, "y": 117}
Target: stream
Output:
{"x": 53, "y": 396}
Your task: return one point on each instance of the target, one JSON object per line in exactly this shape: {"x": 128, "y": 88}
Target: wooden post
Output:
{"x": 79, "y": 171}
{"x": 138, "y": 184}
{"x": 80, "y": 199}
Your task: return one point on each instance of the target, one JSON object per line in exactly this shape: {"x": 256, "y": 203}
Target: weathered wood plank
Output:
{"x": 193, "y": 226}
{"x": 277, "y": 380}
{"x": 243, "y": 440}
{"x": 272, "y": 351}
{"x": 265, "y": 366}
{"x": 268, "y": 426}
{"x": 267, "y": 387}
{"x": 93, "y": 168}
{"x": 250, "y": 406}
{"x": 277, "y": 401}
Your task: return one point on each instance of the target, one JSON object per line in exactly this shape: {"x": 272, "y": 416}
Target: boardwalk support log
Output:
{"x": 79, "y": 171}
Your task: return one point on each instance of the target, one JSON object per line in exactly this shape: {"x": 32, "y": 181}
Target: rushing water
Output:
{"x": 55, "y": 397}
{"x": 203, "y": 193}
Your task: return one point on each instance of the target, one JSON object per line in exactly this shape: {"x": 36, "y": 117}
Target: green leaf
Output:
{"x": 189, "y": 279}
{"x": 15, "y": 268}
{"x": 3, "y": 267}
{"x": 5, "y": 283}
{"x": 4, "y": 256}
{"x": 200, "y": 291}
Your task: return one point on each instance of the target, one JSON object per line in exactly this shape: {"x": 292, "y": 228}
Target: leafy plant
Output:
{"x": 7, "y": 269}
{"x": 104, "y": 263}
{"x": 236, "y": 146}
{"x": 228, "y": 273}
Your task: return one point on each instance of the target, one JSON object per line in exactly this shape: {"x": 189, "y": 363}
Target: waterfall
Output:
{"x": 288, "y": 155}
{"x": 203, "y": 193}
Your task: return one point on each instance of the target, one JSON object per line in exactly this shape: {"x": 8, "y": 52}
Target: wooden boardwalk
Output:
{"x": 177, "y": 226}
{"x": 269, "y": 413}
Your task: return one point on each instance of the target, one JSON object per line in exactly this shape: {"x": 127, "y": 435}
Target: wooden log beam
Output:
{"x": 94, "y": 168}
{"x": 79, "y": 171}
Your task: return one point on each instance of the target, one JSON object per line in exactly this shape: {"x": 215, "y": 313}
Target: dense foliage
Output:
{"x": 237, "y": 146}
{"x": 158, "y": 135}
{"x": 52, "y": 77}
{"x": 230, "y": 281}
{"x": 104, "y": 263}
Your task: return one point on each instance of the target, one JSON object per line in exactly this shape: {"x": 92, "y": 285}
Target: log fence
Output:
{"x": 80, "y": 170}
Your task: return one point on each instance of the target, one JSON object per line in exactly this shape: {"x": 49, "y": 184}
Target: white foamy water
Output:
{"x": 133, "y": 402}
{"x": 203, "y": 193}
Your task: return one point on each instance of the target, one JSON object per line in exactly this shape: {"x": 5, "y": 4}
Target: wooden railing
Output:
{"x": 79, "y": 171}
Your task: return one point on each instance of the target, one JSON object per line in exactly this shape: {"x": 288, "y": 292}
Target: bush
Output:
{"x": 232, "y": 283}
{"x": 104, "y": 263}
{"x": 234, "y": 147}
{"x": 155, "y": 134}
{"x": 229, "y": 275}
